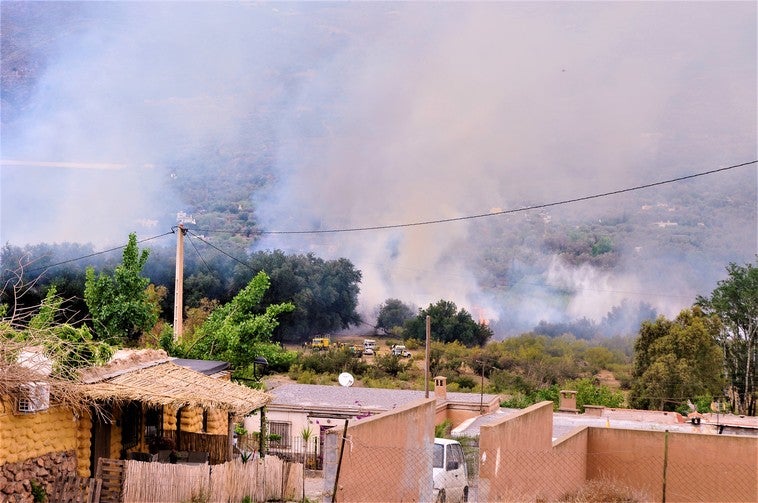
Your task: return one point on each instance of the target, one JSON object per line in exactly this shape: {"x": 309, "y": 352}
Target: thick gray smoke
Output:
{"x": 380, "y": 114}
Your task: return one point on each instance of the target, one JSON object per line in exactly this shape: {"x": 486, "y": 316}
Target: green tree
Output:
{"x": 334, "y": 361}
{"x": 675, "y": 361}
{"x": 448, "y": 324}
{"x": 238, "y": 331}
{"x": 120, "y": 306}
{"x": 393, "y": 313}
{"x": 68, "y": 347}
{"x": 324, "y": 293}
{"x": 735, "y": 302}
{"x": 589, "y": 392}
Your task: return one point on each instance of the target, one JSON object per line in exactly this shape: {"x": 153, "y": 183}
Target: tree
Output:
{"x": 588, "y": 392}
{"x": 735, "y": 303}
{"x": 448, "y": 325}
{"x": 67, "y": 347}
{"x": 393, "y": 313}
{"x": 120, "y": 306}
{"x": 238, "y": 331}
{"x": 325, "y": 293}
{"x": 675, "y": 361}
{"x": 306, "y": 435}
{"x": 626, "y": 318}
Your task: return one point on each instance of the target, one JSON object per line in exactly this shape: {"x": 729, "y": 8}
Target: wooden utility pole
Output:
{"x": 179, "y": 283}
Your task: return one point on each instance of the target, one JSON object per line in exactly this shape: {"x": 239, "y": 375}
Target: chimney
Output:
{"x": 594, "y": 410}
{"x": 567, "y": 401}
{"x": 440, "y": 388}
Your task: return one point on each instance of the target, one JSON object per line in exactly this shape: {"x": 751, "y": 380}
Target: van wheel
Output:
{"x": 465, "y": 494}
{"x": 441, "y": 496}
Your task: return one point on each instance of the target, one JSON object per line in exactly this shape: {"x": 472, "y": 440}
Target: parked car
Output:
{"x": 400, "y": 351}
{"x": 449, "y": 471}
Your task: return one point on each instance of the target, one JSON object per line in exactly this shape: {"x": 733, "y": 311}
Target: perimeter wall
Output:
{"x": 387, "y": 457}
{"x": 520, "y": 461}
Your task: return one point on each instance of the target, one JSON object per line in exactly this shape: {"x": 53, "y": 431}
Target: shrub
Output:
{"x": 465, "y": 382}
{"x": 517, "y": 401}
{"x": 38, "y": 492}
{"x": 605, "y": 491}
{"x": 442, "y": 430}
{"x": 391, "y": 365}
{"x": 412, "y": 344}
{"x": 333, "y": 361}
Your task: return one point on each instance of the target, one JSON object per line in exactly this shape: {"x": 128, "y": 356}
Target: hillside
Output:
{"x": 291, "y": 128}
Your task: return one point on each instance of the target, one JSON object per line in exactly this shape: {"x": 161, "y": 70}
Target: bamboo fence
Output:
{"x": 268, "y": 479}
{"x": 147, "y": 482}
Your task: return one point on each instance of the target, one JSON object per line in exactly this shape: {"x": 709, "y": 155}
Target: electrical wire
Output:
{"x": 241, "y": 262}
{"x": 201, "y": 257}
{"x": 517, "y": 210}
{"x": 45, "y": 268}
{"x": 416, "y": 224}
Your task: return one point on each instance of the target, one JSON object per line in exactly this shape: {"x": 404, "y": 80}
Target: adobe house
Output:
{"x": 126, "y": 409}
{"x": 296, "y": 407}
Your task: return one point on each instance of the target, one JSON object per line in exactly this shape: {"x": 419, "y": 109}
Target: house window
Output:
{"x": 153, "y": 424}
{"x": 279, "y": 434}
{"x": 130, "y": 425}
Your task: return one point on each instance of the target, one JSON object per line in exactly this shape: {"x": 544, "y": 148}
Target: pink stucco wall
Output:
{"x": 699, "y": 467}
{"x": 386, "y": 457}
{"x": 518, "y": 461}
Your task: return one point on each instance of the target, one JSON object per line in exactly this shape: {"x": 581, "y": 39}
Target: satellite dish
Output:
{"x": 346, "y": 379}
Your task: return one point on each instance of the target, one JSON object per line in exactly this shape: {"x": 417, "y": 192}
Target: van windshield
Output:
{"x": 439, "y": 456}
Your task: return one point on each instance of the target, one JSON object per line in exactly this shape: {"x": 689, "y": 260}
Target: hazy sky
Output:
{"x": 377, "y": 114}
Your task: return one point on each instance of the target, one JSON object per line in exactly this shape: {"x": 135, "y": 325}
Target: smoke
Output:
{"x": 499, "y": 106}
{"x": 379, "y": 114}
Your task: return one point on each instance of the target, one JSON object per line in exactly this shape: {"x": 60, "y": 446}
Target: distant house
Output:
{"x": 598, "y": 416}
{"x": 296, "y": 407}
{"x": 140, "y": 403}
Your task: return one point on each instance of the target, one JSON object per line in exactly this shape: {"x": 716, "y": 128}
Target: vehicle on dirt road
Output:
{"x": 449, "y": 472}
{"x": 320, "y": 344}
{"x": 369, "y": 347}
{"x": 400, "y": 351}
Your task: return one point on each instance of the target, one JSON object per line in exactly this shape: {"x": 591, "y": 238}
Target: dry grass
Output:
{"x": 605, "y": 491}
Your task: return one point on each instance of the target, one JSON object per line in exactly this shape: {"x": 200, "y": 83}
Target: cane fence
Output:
{"x": 268, "y": 479}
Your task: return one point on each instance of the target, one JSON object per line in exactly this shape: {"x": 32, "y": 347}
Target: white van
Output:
{"x": 449, "y": 471}
{"x": 369, "y": 346}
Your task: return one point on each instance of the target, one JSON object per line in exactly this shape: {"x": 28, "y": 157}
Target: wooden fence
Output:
{"x": 75, "y": 489}
{"x": 111, "y": 474}
{"x": 216, "y": 445}
{"x": 261, "y": 479}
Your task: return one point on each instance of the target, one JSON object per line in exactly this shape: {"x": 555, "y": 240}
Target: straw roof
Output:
{"x": 165, "y": 383}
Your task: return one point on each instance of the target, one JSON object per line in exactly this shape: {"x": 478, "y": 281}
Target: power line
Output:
{"x": 220, "y": 250}
{"x": 45, "y": 268}
{"x": 517, "y": 210}
{"x": 414, "y": 224}
{"x": 201, "y": 257}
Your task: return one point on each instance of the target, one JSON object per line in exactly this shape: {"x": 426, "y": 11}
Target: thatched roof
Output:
{"x": 162, "y": 382}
